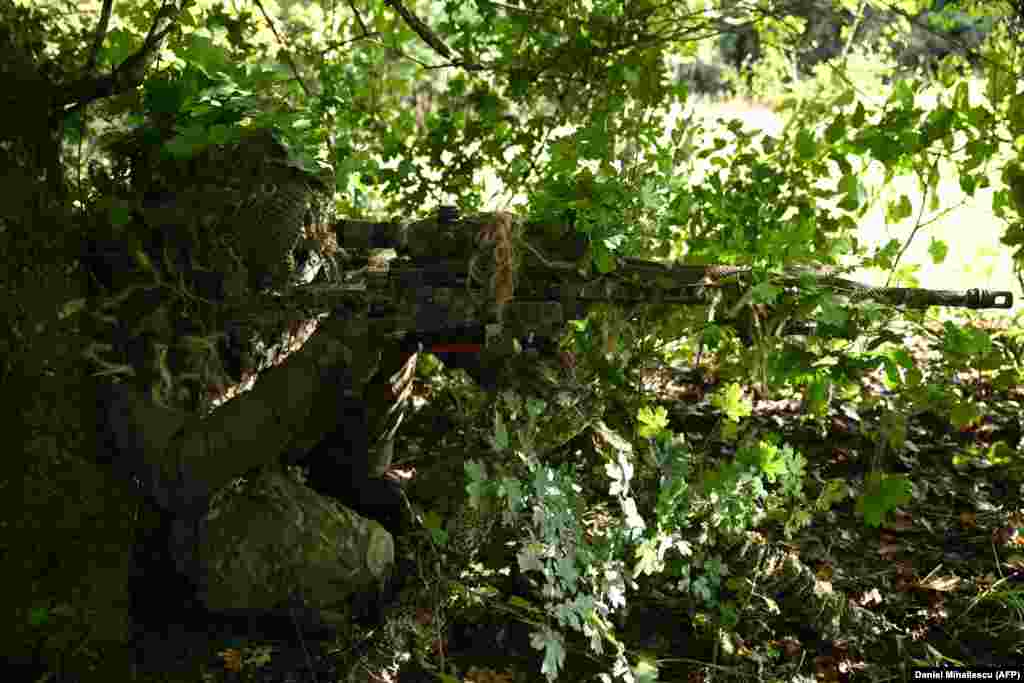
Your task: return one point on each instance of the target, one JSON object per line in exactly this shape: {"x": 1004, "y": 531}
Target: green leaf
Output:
{"x": 799, "y": 518}
{"x": 836, "y": 130}
{"x": 535, "y": 406}
{"x": 38, "y": 616}
{"x": 603, "y": 259}
{"x": 142, "y": 260}
{"x": 648, "y": 561}
{"x": 652, "y": 421}
{"x": 883, "y": 493}
{"x": 554, "y": 652}
{"x": 732, "y": 402}
{"x": 859, "y": 115}
{"x": 702, "y": 589}
{"x": 478, "y": 483}
{"x": 772, "y": 461}
{"x": 119, "y": 216}
{"x": 434, "y": 524}
{"x": 938, "y": 250}
{"x": 965, "y": 341}
{"x": 856, "y": 195}
{"x": 899, "y": 209}
{"x": 164, "y": 96}
{"x": 189, "y": 142}
{"x": 806, "y": 147}
{"x": 903, "y": 94}
{"x": 1013, "y": 176}
{"x": 1001, "y": 453}
{"x": 818, "y": 395}
{"x": 1015, "y": 115}
{"x": 765, "y": 293}
{"x": 500, "y": 440}
{"x": 201, "y": 52}
{"x": 894, "y": 428}
{"x": 834, "y": 491}
{"x": 968, "y": 183}
{"x": 646, "y": 669}
{"x": 1000, "y": 83}
{"x": 833, "y": 313}
{"x": 964, "y": 414}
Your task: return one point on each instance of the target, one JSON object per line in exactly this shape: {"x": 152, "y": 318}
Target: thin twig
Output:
{"x": 284, "y": 49}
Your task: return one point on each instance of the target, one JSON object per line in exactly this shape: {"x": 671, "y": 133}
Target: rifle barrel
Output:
{"x": 922, "y": 298}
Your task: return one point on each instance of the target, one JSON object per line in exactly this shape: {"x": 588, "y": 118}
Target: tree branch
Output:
{"x": 428, "y": 36}
{"x": 101, "y": 33}
{"x": 125, "y": 76}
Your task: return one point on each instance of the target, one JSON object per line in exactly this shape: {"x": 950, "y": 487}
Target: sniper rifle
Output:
{"x": 462, "y": 285}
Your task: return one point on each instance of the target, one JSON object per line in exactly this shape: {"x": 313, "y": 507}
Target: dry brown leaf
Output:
{"x": 888, "y": 549}
{"x": 968, "y": 519}
{"x": 826, "y": 669}
{"x": 232, "y": 659}
{"x": 942, "y": 584}
{"x": 475, "y": 675}
{"x": 901, "y": 521}
{"x": 905, "y": 570}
